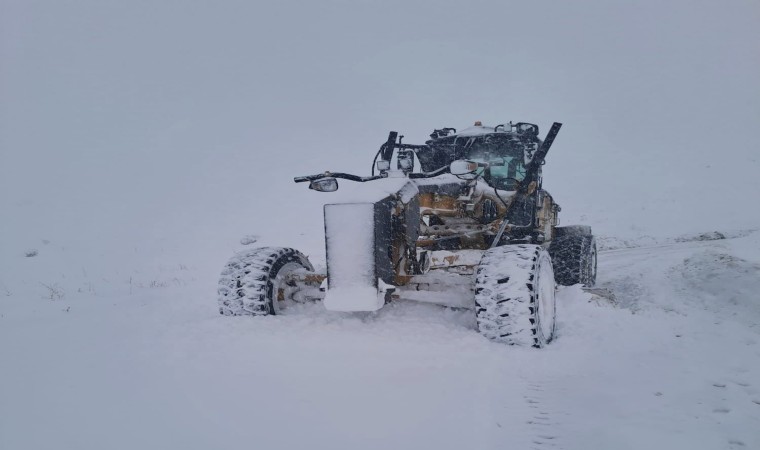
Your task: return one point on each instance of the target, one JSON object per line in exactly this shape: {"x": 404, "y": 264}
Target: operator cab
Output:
{"x": 510, "y": 145}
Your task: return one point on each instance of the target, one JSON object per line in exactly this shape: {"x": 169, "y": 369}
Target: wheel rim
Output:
{"x": 545, "y": 301}
{"x": 280, "y": 289}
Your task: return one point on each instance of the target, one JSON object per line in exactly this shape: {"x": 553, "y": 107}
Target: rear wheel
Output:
{"x": 574, "y": 259}
{"x": 254, "y": 282}
{"x": 514, "y": 295}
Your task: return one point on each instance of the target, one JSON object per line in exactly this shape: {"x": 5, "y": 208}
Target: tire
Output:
{"x": 572, "y": 230}
{"x": 574, "y": 259}
{"x": 251, "y": 280}
{"x": 514, "y": 295}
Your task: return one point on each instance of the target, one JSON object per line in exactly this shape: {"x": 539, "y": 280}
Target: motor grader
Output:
{"x": 462, "y": 221}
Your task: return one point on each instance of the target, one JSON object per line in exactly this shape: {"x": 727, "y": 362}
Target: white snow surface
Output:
{"x": 474, "y": 131}
{"x": 141, "y": 359}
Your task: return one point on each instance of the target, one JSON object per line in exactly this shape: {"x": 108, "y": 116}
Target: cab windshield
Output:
{"x": 506, "y": 176}
{"x": 494, "y": 148}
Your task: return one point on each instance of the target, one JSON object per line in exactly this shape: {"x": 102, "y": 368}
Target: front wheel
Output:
{"x": 254, "y": 282}
{"x": 514, "y": 295}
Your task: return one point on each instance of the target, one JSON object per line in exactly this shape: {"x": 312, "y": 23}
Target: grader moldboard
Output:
{"x": 471, "y": 227}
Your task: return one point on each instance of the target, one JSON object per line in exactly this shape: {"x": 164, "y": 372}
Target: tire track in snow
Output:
{"x": 543, "y": 421}
{"x": 525, "y": 415}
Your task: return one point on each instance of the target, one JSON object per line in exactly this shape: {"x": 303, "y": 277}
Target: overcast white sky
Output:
{"x": 117, "y": 116}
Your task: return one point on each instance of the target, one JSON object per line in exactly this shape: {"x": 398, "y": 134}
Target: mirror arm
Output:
{"x": 345, "y": 176}
{"x": 348, "y": 176}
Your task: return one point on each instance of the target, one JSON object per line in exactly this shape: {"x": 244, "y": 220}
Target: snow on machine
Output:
{"x": 471, "y": 227}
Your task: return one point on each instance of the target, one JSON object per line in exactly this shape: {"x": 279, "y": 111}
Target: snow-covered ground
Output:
{"x": 143, "y": 360}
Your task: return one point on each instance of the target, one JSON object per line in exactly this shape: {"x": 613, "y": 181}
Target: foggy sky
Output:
{"x": 136, "y": 118}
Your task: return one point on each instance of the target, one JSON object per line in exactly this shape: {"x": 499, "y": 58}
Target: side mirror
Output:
{"x": 383, "y": 165}
{"x": 328, "y": 184}
{"x": 463, "y": 167}
{"x": 405, "y": 161}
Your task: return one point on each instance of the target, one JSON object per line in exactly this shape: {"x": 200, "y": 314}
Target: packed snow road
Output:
{"x": 675, "y": 363}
